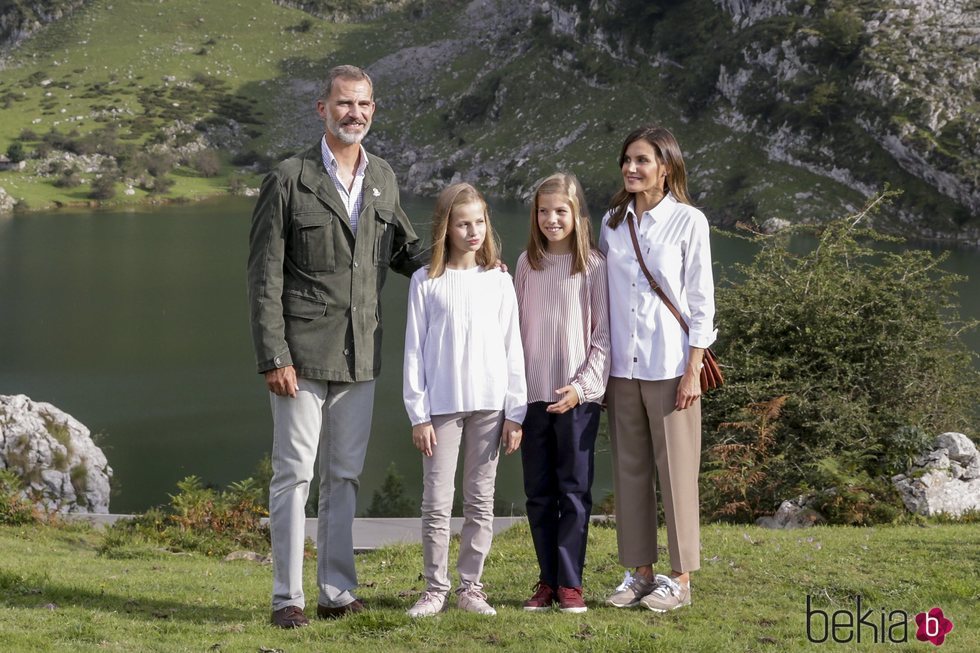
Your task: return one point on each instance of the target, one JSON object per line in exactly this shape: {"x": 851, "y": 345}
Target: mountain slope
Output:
{"x": 793, "y": 108}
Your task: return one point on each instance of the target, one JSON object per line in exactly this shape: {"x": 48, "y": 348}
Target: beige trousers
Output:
{"x": 478, "y": 433}
{"x": 651, "y": 439}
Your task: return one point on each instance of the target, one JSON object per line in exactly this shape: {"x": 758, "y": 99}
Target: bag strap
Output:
{"x": 653, "y": 284}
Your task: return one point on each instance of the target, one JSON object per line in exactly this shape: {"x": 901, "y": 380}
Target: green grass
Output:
{"x": 58, "y": 594}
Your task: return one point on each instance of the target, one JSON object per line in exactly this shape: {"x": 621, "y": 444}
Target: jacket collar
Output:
{"x": 314, "y": 177}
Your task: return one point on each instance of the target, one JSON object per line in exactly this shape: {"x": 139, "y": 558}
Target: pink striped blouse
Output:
{"x": 564, "y": 327}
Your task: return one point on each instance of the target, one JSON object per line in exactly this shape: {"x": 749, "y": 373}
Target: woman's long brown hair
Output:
{"x": 668, "y": 152}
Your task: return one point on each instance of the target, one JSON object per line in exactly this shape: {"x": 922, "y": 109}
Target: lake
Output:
{"x": 136, "y": 323}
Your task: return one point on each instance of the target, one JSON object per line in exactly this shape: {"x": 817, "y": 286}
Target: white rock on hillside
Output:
{"x": 7, "y": 202}
{"x": 54, "y": 453}
{"x": 943, "y": 480}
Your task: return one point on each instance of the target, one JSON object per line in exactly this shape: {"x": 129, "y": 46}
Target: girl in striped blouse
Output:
{"x": 561, "y": 295}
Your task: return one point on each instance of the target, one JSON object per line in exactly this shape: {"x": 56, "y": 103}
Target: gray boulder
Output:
{"x": 945, "y": 479}
{"x": 54, "y": 454}
{"x": 792, "y": 513}
{"x": 7, "y": 201}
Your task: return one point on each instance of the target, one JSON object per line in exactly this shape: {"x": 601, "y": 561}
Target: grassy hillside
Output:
{"x": 498, "y": 93}
{"x": 57, "y": 593}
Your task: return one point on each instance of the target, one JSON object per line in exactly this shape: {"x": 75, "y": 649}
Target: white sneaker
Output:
{"x": 431, "y": 603}
{"x": 474, "y": 600}
{"x": 630, "y": 591}
{"x": 667, "y": 595}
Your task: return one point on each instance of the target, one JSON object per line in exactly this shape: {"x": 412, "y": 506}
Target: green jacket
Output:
{"x": 313, "y": 289}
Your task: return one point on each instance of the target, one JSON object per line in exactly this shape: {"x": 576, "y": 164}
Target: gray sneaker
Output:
{"x": 667, "y": 595}
{"x": 630, "y": 592}
{"x": 473, "y": 600}
{"x": 429, "y": 604}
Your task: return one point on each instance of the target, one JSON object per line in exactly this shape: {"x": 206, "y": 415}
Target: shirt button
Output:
{"x": 353, "y": 309}
{"x": 355, "y": 264}
{"x": 347, "y": 352}
{"x": 278, "y": 360}
{"x": 634, "y": 359}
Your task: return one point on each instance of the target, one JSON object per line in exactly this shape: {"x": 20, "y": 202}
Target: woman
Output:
{"x": 654, "y": 385}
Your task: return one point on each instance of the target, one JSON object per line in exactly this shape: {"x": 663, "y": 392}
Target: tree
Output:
{"x": 207, "y": 162}
{"x": 15, "y": 152}
{"x": 390, "y": 499}
{"x": 103, "y": 187}
{"x": 862, "y": 340}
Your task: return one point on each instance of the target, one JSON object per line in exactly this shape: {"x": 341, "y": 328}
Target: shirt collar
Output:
{"x": 664, "y": 207}
{"x": 329, "y": 159}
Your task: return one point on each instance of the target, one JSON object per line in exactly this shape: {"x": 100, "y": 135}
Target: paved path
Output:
{"x": 368, "y": 533}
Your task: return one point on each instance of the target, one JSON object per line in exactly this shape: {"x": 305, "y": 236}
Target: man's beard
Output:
{"x": 334, "y": 128}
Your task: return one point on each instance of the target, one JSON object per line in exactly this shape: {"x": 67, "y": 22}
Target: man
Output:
{"x": 325, "y": 230}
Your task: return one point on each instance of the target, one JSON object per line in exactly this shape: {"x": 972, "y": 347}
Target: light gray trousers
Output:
{"x": 336, "y": 419}
{"x": 479, "y": 434}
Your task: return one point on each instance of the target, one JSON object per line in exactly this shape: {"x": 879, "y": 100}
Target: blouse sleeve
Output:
{"x": 590, "y": 382}
{"x": 700, "y": 287}
{"x": 515, "y": 399}
{"x": 413, "y": 380}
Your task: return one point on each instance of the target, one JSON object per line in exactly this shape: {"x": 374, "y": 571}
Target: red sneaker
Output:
{"x": 543, "y": 597}
{"x": 570, "y": 600}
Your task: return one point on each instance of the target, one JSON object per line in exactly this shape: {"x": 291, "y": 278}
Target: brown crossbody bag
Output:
{"x": 711, "y": 376}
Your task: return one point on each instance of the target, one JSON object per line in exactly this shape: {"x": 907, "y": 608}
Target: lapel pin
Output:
{"x": 375, "y": 192}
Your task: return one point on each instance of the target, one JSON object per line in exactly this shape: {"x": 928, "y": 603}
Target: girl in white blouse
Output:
{"x": 463, "y": 386}
{"x": 654, "y": 388}
{"x": 561, "y": 295}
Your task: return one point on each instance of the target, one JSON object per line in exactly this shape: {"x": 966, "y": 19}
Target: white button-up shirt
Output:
{"x": 648, "y": 342}
{"x": 351, "y": 198}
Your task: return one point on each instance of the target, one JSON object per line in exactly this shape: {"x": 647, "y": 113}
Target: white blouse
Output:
{"x": 463, "y": 346}
{"x": 648, "y": 342}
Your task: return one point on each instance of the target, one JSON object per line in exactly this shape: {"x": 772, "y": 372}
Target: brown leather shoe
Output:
{"x": 353, "y": 607}
{"x": 291, "y": 616}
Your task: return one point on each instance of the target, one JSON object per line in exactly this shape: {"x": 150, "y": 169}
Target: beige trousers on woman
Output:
{"x": 651, "y": 439}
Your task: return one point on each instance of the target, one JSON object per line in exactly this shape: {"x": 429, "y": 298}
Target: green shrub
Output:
{"x": 15, "y": 508}
{"x": 199, "y": 519}
{"x": 68, "y": 179}
{"x": 207, "y": 162}
{"x": 103, "y": 187}
{"x": 863, "y": 341}
{"x": 15, "y": 152}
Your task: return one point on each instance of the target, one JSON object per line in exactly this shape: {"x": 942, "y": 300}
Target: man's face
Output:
{"x": 347, "y": 111}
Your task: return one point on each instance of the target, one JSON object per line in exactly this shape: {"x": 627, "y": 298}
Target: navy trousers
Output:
{"x": 558, "y": 456}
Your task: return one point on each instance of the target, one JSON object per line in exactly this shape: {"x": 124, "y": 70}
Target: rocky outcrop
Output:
{"x": 7, "y": 201}
{"x": 19, "y": 20}
{"x": 340, "y": 12}
{"x": 911, "y": 67}
{"x": 793, "y": 513}
{"x": 62, "y": 468}
{"x": 945, "y": 480}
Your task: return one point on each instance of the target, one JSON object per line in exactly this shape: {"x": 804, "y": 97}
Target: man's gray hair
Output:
{"x": 345, "y": 72}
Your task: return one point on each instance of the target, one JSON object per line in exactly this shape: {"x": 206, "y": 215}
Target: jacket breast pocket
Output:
{"x": 385, "y": 238}
{"x": 313, "y": 247}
